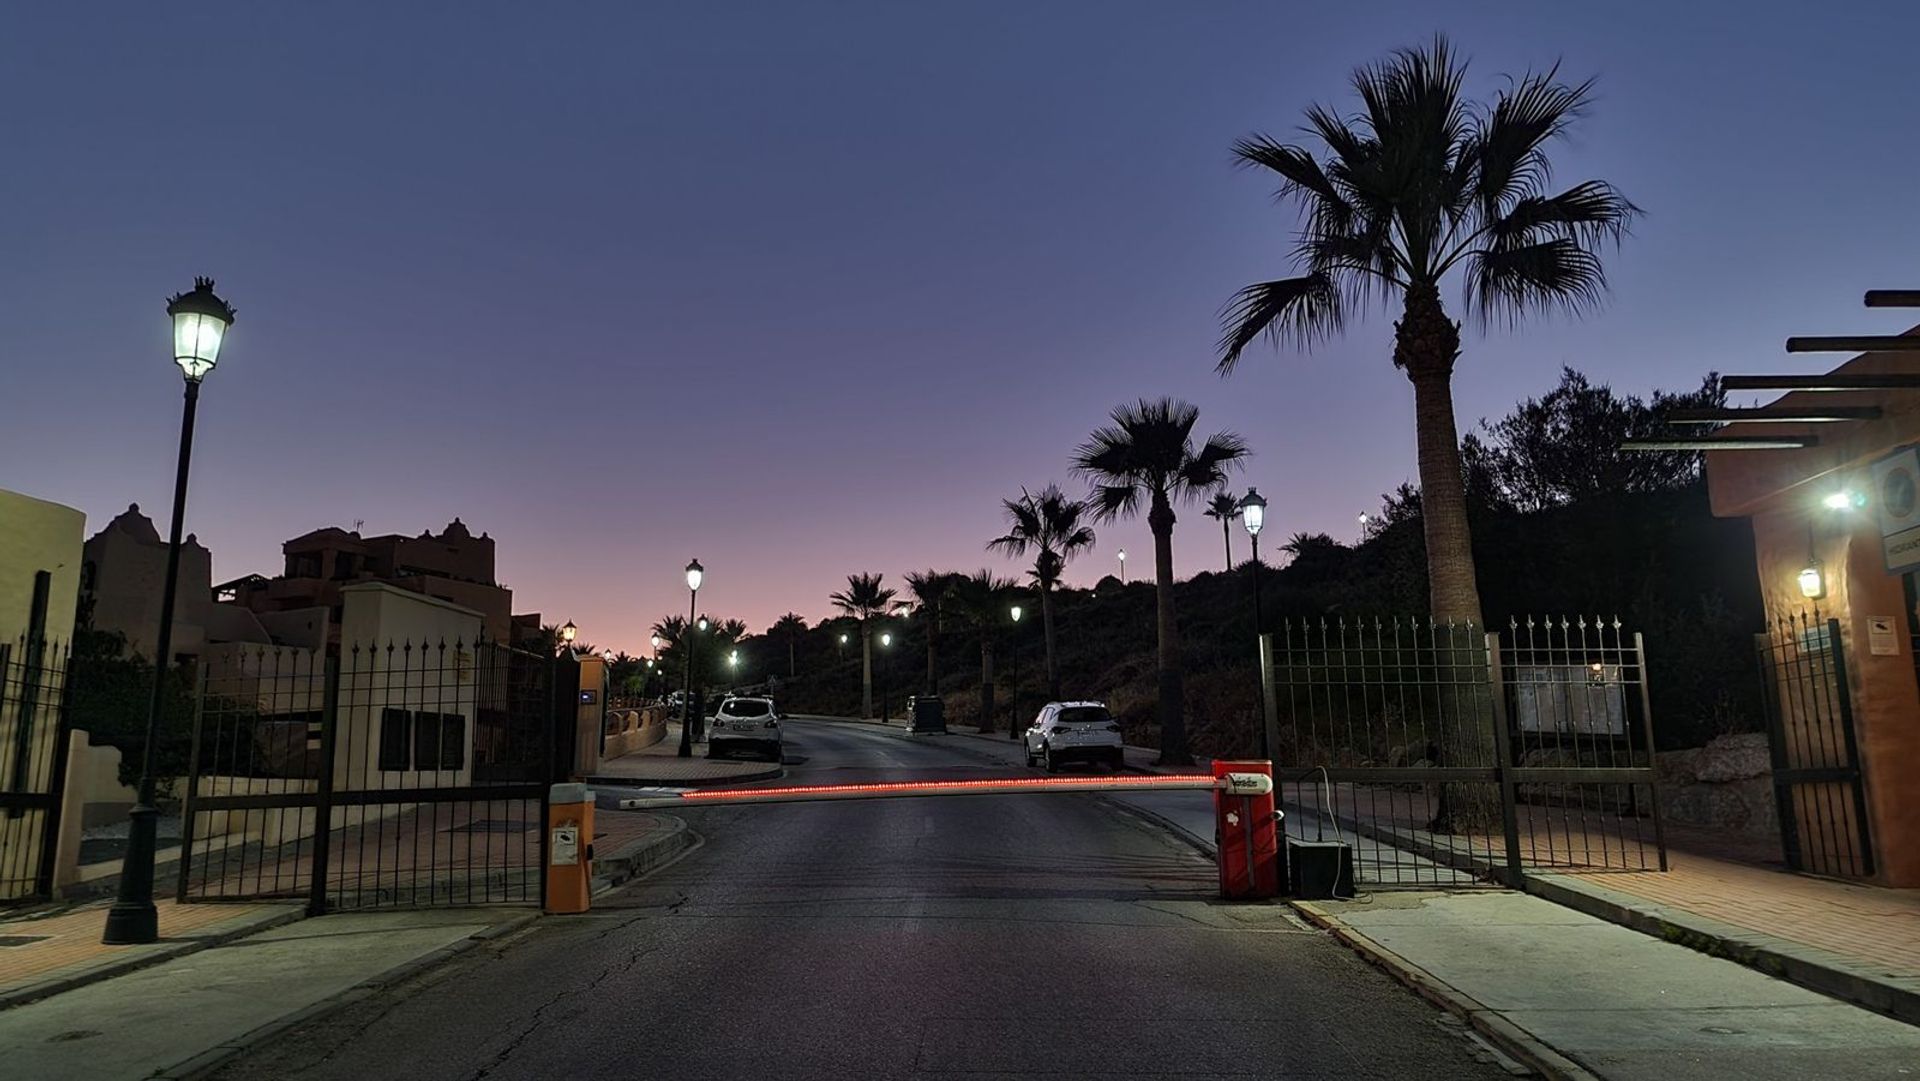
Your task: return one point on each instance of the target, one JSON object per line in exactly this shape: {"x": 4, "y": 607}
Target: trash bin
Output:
{"x": 926, "y": 714}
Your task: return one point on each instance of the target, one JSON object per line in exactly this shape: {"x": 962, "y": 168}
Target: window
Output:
{"x": 439, "y": 741}
{"x": 395, "y": 729}
{"x": 1084, "y": 715}
{"x": 747, "y": 707}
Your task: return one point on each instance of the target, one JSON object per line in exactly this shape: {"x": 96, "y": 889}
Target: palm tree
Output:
{"x": 1147, "y": 454}
{"x": 1053, "y": 527}
{"x": 865, "y": 599}
{"x": 1225, "y": 508}
{"x": 981, "y": 599}
{"x": 930, "y": 589}
{"x": 790, "y": 626}
{"x": 1418, "y": 185}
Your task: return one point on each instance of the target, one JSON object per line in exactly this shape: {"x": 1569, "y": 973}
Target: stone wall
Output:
{"x": 1726, "y": 786}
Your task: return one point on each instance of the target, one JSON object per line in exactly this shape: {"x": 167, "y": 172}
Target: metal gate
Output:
{"x": 1447, "y": 755}
{"x": 403, "y": 774}
{"x": 1816, "y": 760}
{"x": 33, "y": 755}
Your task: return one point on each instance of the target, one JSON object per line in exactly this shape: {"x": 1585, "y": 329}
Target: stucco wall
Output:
{"x": 36, "y": 535}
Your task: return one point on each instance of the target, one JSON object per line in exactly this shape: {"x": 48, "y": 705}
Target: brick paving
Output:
{"x": 67, "y": 942}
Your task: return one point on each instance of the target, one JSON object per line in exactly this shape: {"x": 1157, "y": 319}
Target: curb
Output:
{"x": 213, "y": 1058}
{"x": 1807, "y": 966}
{"x": 643, "y": 856}
{"x": 1154, "y": 818}
{"x": 1508, "y": 1037}
{"x": 34, "y": 992}
{"x": 772, "y": 770}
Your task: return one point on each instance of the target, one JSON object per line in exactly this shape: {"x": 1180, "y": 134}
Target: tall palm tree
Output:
{"x": 1417, "y": 185}
{"x": 930, "y": 589}
{"x": 865, "y": 599}
{"x": 1054, "y": 528}
{"x": 790, "y": 626}
{"x": 1225, "y": 509}
{"x": 1147, "y": 455}
{"x": 981, "y": 598}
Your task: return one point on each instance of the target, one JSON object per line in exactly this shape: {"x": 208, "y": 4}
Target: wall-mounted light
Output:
{"x": 1844, "y": 499}
{"x": 1813, "y": 583}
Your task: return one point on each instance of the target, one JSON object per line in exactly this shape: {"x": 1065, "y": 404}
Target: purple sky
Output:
{"x": 805, "y": 289}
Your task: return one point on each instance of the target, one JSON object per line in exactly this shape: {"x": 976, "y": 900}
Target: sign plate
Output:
{"x": 566, "y": 846}
{"x": 1881, "y": 641}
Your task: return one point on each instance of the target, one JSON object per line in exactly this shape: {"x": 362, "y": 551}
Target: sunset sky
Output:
{"x": 804, "y": 289}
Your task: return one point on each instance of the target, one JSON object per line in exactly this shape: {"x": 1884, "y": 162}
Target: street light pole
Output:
{"x": 1123, "y": 566}
{"x": 886, "y": 664}
{"x": 695, "y": 572}
{"x": 1253, "y": 515}
{"x": 1013, "y": 649}
{"x": 200, "y": 322}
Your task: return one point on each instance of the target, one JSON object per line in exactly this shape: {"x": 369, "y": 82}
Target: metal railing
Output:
{"x": 33, "y": 754}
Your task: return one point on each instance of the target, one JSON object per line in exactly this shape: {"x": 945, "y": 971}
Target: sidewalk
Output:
{"x": 660, "y": 764}
{"x": 61, "y": 948}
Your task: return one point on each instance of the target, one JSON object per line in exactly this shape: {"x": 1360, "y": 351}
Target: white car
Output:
{"x": 1073, "y": 732}
{"x": 745, "y": 724}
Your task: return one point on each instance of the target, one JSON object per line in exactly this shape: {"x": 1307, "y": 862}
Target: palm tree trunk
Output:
{"x": 1046, "y": 629}
{"x": 1426, "y": 345}
{"x": 1226, "y": 533}
{"x": 986, "y": 684}
{"x": 866, "y": 670}
{"x": 1173, "y": 724}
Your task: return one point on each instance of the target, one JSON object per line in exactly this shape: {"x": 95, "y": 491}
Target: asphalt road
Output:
{"x": 977, "y": 937}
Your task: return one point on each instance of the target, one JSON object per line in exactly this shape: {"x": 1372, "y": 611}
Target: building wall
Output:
{"x": 127, "y": 568}
{"x": 430, "y": 678}
{"x": 36, "y": 535}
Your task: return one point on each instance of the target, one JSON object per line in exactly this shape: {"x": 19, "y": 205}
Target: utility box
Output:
{"x": 1319, "y": 870}
{"x": 569, "y": 848}
{"x": 1248, "y": 830}
{"x": 926, "y": 713}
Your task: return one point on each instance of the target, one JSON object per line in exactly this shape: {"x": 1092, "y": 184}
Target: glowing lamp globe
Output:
{"x": 200, "y": 322}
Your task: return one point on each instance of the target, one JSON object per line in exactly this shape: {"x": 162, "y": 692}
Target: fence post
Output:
{"x": 56, "y": 780}
{"x": 184, "y": 870}
{"x": 323, "y": 795}
{"x": 1653, "y": 761}
{"x": 1503, "y": 765}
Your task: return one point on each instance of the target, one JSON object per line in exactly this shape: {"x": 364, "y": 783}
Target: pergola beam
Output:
{"x": 1893, "y": 298}
{"x": 1709, "y": 442}
{"x": 1869, "y": 343}
{"x": 1836, "y": 381}
{"x": 1832, "y": 414}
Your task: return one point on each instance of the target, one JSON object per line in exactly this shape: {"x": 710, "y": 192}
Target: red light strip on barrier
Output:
{"x": 1171, "y": 780}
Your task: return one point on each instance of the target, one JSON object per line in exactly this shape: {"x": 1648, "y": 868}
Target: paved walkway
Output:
{"x": 61, "y": 947}
{"x": 660, "y": 764}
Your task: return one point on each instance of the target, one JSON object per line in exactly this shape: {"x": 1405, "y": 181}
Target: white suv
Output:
{"x": 745, "y": 724}
{"x": 1073, "y": 732}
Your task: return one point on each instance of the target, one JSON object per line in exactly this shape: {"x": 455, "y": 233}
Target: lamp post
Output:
{"x": 1013, "y": 648}
{"x": 200, "y": 322}
{"x": 695, "y": 572}
{"x": 1253, "y": 515}
{"x": 886, "y": 650}
{"x": 1123, "y": 566}
{"x": 568, "y": 633}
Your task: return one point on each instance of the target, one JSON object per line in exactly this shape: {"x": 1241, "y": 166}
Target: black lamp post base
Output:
{"x": 133, "y": 921}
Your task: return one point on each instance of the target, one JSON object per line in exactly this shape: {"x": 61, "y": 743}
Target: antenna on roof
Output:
{"x": 357, "y": 523}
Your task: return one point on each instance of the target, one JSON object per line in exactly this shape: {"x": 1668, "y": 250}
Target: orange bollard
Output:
{"x": 1249, "y": 848}
{"x": 569, "y": 848}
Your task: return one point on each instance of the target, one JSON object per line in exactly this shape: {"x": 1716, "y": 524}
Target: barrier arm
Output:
{"x": 1235, "y": 784}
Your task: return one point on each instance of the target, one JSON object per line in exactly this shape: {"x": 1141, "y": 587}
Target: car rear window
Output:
{"x": 746, "y": 707}
{"x": 1084, "y": 715}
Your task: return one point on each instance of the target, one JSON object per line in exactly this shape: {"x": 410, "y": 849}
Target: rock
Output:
{"x": 1397, "y": 757}
{"x": 1734, "y": 758}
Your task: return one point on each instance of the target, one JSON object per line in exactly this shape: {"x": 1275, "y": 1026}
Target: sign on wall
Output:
{"x": 1896, "y": 499}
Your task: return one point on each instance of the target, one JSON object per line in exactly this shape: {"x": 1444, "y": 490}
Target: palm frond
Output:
{"x": 1302, "y": 310}
{"x": 1591, "y": 212}
{"x": 1208, "y": 468}
{"x": 1557, "y": 273}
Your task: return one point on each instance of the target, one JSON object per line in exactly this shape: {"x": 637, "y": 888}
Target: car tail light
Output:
{"x": 771, "y": 724}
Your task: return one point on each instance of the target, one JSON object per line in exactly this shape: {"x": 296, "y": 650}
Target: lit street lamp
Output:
{"x": 695, "y": 572}
{"x": 200, "y": 322}
{"x": 1123, "y": 566}
{"x": 1253, "y": 515}
{"x": 1013, "y": 647}
{"x": 568, "y": 633}
{"x": 886, "y": 649}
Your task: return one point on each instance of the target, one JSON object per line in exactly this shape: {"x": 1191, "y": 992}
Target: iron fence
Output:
{"x": 1817, "y": 780}
{"x": 404, "y": 774}
{"x": 33, "y": 753}
{"x": 1448, "y": 756}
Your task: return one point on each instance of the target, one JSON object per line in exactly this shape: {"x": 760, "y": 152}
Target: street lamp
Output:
{"x": 1253, "y": 515}
{"x": 200, "y": 322}
{"x": 695, "y": 572}
{"x": 1123, "y": 566}
{"x": 703, "y": 623}
{"x": 886, "y": 649}
{"x": 1013, "y": 647}
{"x": 568, "y": 633}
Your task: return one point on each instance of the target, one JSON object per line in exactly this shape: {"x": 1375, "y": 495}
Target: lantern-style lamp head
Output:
{"x": 200, "y": 322}
{"x": 703, "y": 623}
{"x": 655, "y": 640}
{"x": 1813, "y": 583}
{"x": 886, "y": 639}
{"x": 733, "y": 659}
{"x": 1253, "y": 512}
{"x": 695, "y": 572}
{"x": 649, "y": 662}
{"x": 569, "y": 632}
{"x": 1015, "y": 612}
{"x": 843, "y": 639}
{"x": 1123, "y": 555}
